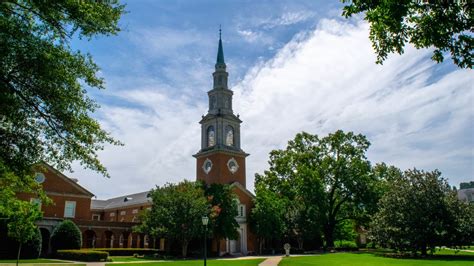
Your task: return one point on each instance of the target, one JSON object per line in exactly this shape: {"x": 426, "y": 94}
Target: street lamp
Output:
{"x": 205, "y": 221}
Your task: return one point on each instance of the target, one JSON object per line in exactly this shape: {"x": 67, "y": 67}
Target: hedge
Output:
{"x": 345, "y": 245}
{"x": 82, "y": 255}
{"x": 129, "y": 251}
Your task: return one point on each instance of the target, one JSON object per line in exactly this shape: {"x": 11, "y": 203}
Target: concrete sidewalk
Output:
{"x": 273, "y": 261}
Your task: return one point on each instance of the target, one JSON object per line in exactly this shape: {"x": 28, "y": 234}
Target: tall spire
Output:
{"x": 220, "y": 52}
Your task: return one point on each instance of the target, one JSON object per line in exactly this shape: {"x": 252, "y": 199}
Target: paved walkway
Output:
{"x": 273, "y": 261}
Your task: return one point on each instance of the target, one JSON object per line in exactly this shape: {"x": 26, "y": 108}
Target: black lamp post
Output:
{"x": 205, "y": 220}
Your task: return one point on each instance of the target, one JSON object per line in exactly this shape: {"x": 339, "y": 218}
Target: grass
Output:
{"x": 249, "y": 262}
{"x": 445, "y": 251}
{"x": 36, "y": 261}
{"x": 130, "y": 258}
{"x": 369, "y": 259}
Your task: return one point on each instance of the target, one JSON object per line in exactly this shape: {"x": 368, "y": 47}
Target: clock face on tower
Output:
{"x": 232, "y": 165}
{"x": 207, "y": 166}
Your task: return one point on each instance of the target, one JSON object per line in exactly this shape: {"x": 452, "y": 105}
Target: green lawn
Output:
{"x": 36, "y": 261}
{"x": 367, "y": 259}
{"x": 252, "y": 262}
{"x": 453, "y": 252}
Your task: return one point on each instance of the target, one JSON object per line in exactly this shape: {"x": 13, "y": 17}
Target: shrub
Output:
{"x": 32, "y": 248}
{"x": 66, "y": 236}
{"x": 129, "y": 251}
{"x": 345, "y": 245}
{"x": 82, "y": 255}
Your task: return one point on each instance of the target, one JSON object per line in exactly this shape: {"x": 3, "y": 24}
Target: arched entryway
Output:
{"x": 109, "y": 239}
{"x": 123, "y": 239}
{"x": 45, "y": 241}
{"x": 89, "y": 239}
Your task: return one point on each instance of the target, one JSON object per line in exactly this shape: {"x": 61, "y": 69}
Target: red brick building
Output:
{"x": 103, "y": 223}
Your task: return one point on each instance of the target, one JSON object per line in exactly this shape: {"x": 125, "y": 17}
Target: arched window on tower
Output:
{"x": 229, "y": 136}
{"x": 211, "y": 136}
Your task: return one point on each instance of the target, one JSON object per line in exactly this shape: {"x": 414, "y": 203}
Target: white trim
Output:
{"x": 73, "y": 209}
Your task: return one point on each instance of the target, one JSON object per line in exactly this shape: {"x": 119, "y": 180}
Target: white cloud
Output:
{"x": 321, "y": 81}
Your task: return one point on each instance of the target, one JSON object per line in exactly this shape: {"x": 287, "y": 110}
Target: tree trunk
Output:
{"x": 218, "y": 247}
{"x": 423, "y": 250}
{"x": 260, "y": 245}
{"x": 329, "y": 236}
{"x": 18, "y": 255}
{"x": 184, "y": 248}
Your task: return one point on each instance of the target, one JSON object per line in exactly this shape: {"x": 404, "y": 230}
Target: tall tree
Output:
{"x": 45, "y": 113}
{"x": 223, "y": 212}
{"x": 446, "y": 26}
{"x": 329, "y": 176}
{"x": 267, "y": 218}
{"x": 419, "y": 212}
{"x": 176, "y": 212}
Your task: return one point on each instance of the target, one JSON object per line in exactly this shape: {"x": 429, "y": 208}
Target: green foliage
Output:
{"x": 325, "y": 181}
{"x": 82, "y": 255}
{"x": 345, "y": 245}
{"x": 223, "y": 211}
{"x": 446, "y": 26}
{"x": 465, "y": 185}
{"x": 66, "y": 236}
{"x": 128, "y": 251}
{"x": 45, "y": 112}
{"x": 176, "y": 213}
{"x": 419, "y": 212}
{"x": 345, "y": 230}
{"x": 30, "y": 249}
{"x": 268, "y": 215}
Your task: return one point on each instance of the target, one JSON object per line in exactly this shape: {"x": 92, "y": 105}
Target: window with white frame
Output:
{"x": 112, "y": 214}
{"x": 36, "y": 202}
{"x": 135, "y": 211}
{"x": 70, "y": 209}
{"x": 241, "y": 210}
{"x": 95, "y": 217}
{"x": 123, "y": 212}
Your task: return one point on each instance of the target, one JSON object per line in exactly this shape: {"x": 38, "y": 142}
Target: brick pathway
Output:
{"x": 273, "y": 261}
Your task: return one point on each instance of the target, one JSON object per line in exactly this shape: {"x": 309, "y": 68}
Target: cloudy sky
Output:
{"x": 294, "y": 66}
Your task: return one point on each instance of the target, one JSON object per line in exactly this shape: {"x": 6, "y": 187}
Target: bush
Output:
{"x": 66, "y": 236}
{"x": 82, "y": 255}
{"x": 129, "y": 251}
{"x": 345, "y": 245}
{"x": 32, "y": 248}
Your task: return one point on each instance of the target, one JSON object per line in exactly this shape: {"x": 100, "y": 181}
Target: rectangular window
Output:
{"x": 37, "y": 202}
{"x": 70, "y": 209}
{"x": 112, "y": 214}
{"x": 135, "y": 211}
{"x": 123, "y": 212}
{"x": 95, "y": 217}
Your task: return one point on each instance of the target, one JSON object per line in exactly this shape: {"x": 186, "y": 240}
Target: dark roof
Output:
{"x": 122, "y": 201}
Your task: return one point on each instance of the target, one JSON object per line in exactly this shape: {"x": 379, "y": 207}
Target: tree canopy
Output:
{"x": 45, "y": 113}
{"x": 419, "y": 212}
{"x": 327, "y": 180}
{"x": 446, "y": 26}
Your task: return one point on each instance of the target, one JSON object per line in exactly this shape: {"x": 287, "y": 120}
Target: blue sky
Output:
{"x": 294, "y": 66}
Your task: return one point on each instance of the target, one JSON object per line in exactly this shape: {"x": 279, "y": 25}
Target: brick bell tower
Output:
{"x": 220, "y": 159}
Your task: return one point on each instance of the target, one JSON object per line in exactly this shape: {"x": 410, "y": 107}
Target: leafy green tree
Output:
{"x": 419, "y": 212}
{"x": 21, "y": 226}
{"x": 176, "y": 212}
{"x": 267, "y": 218}
{"x": 223, "y": 212}
{"x": 66, "y": 236}
{"x": 329, "y": 178}
{"x": 45, "y": 113}
{"x": 446, "y": 26}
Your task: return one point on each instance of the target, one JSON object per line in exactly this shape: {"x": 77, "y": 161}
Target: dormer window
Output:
{"x": 127, "y": 199}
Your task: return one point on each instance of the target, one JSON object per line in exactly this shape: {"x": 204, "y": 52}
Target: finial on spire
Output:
{"x": 220, "y": 51}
